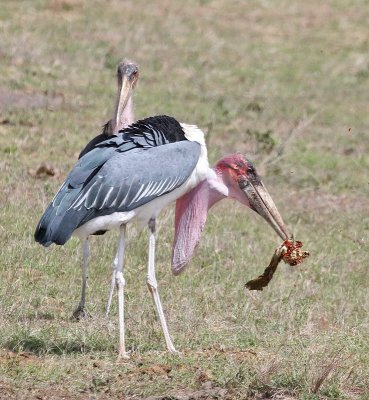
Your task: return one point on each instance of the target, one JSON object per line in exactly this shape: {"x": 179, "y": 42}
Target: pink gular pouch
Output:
{"x": 191, "y": 213}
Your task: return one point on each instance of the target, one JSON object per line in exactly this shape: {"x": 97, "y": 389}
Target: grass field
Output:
{"x": 248, "y": 73}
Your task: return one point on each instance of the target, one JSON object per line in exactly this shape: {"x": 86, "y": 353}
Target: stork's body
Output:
{"x": 123, "y": 116}
{"x": 133, "y": 175}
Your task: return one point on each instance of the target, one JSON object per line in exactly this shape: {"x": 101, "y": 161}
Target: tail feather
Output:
{"x": 58, "y": 221}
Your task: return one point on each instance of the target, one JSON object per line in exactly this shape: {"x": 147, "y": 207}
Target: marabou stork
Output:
{"x": 127, "y": 76}
{"x": 136, "y": 173}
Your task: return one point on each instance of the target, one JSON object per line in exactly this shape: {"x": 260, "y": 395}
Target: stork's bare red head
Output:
{"x": 245, "y": 185}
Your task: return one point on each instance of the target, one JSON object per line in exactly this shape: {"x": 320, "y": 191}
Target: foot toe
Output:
{"x": 81, "y": 313}
{"x": 123, "y": 356}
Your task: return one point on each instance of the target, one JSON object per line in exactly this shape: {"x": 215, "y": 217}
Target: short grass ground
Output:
{"x": 247, "y": 73}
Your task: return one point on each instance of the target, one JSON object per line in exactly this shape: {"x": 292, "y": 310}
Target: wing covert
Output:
{"x": 128, "y": 181}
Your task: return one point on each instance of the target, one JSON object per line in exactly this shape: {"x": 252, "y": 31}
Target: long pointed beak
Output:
{"x": 261, "y": 202}
{"x": 124, "y": 94}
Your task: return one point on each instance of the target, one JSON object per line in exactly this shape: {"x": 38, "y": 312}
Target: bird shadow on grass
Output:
{"x": 42, "y": 342}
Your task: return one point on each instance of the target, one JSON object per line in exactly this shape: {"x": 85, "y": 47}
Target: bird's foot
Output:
{"x": 81, "y": 313}
{"x": 123, "y": 355}
{"x": 173, "y": 350}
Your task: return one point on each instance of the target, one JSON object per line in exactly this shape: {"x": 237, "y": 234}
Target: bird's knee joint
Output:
{"x": 119, "y": 279}
{"x": 152, "y": 224}
{"x": 152, "y": 283}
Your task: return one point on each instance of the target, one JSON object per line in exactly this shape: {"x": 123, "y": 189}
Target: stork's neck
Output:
{"x": 126, "y": 118}
{"x": 216, "y": 187}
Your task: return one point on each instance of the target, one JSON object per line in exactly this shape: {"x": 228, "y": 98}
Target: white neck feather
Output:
{"x": 193, "y": 133}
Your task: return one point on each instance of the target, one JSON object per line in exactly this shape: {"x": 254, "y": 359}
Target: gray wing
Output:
{"x": 123, "y": 183}
{"x": 128, "y": 181}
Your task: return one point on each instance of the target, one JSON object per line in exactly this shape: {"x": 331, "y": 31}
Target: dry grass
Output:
{"x": 246, "y": 73}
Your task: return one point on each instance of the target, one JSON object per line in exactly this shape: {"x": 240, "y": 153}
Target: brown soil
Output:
{"x": 207, "y": 391}
{"x": 10, "y": 99}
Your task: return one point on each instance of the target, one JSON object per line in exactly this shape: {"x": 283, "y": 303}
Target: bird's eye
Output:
{"x": 237, "y": 166}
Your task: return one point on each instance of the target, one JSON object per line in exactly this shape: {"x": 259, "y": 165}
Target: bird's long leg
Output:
{"x": 120, "y": 282}
{"x": 112, "y": 286}
{"x": 153, "y": 286}
{"x": 80, "y": 311}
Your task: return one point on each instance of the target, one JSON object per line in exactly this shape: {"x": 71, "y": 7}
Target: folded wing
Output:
{"x": 115, "y": 178}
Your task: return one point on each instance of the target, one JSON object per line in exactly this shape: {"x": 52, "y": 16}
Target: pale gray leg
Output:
{"x": 153, "y": 286}
{"x": 120, "y": 282}
{"x": 80, "y": 311}
{"x": 112, "y": 286}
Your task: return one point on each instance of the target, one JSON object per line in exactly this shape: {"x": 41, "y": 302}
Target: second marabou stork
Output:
{"x": 136, "y": 173}
{"x": 123, "y": 116}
